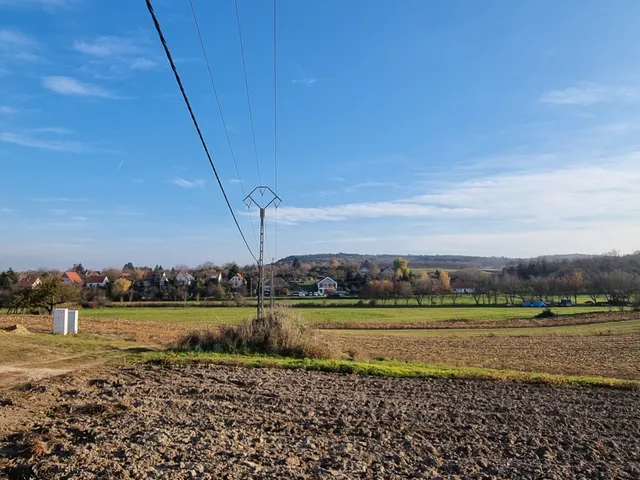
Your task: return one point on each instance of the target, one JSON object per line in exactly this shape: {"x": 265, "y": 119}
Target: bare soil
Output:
{"x": 149, "y": 332}
{"x": 566, "y": 320}
{"x": 616, "y": 356}
{"x": 162, "y": 332}
{"x": 233, "y": 423}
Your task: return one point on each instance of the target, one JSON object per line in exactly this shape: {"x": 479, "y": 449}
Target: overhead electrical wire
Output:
{"x": 246, "y": 86}
{"x": 195, "y": 121}
{"x": 224, "y": 123}
{"x": 275, "y": 120}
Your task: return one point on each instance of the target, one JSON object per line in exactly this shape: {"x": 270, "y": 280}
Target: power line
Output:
{"x": 275, "y": 99}
{"x": 195, "y": 121}
{"x": 275, "y": 122}
{"x": 246, "y": 86}
{"x": 224, "y": 123}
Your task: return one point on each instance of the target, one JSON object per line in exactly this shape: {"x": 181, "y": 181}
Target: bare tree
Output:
{"x": 421, "y": 289}
{"x": 402, "y": 289}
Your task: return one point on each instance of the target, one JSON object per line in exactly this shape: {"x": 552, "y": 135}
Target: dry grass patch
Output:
{"x": 281, "y": 332}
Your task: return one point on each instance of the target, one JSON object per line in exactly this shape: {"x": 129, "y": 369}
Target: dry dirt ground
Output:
{"x": 615, "y": 356}
{"x": 233, "y": 423}
{"x": 136, "y": 330}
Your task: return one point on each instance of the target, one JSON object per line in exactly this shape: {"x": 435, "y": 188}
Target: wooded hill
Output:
{"x": 424, "y": 261}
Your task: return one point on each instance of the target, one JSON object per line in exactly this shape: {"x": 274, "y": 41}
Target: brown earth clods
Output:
{"x": 590, "y": 318}
{"x": 614, "y": 356}
{"x": 233, "y": 423}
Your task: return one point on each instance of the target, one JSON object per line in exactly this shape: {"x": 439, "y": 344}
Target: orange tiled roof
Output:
{"x": 74, "y": 277}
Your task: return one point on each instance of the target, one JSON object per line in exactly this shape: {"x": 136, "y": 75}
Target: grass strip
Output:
{"x": 381, "y": 368}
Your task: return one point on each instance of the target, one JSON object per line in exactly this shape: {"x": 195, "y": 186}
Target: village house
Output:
{"x": 72, "y": 278}
{"x": 462, "y": 287}
{"x": 29, "y": 282}
{"x": 212, "y": 276}
{"x": 151, "y": 279}
{"x": 281, "y": 287}
{"x": 327, "y": 285}
{"x": 184, "y": 278}
{"x": 237, "y": 281}
{"x": 96, "y": 281}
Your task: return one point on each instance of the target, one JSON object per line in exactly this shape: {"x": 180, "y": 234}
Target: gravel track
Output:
{"x": 235, "y": 423}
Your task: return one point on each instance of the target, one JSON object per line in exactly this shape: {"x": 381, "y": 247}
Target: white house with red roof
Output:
{"x": 97, "y": 281}
{"x": 72, "y": 278}
{"x": 237, "y": 281}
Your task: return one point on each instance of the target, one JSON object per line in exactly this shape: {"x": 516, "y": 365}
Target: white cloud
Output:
{"x": 55, "y": 145}
{"x": 371, "y": 184}
{"x": 143, "y": 64}
{"x": 7, "y": 110}
{"x": 59, "y": 211}
{"x": 113, "y": 54}
{"x": 56, "y": 130}
{"x": 305, "y": 81}
{"x": 303, "y": 77}
{"x": 14, "y": 38}
{"x": 58, "y": 199}
{"x": 40, "y": 3}
{"x": 119, "y": 211}
{"x": 15, "y": 45}
{"x": 108, "y": 46}
{"x": 586, "y": 192}
{"x": 181, "y": 182}
{"x": 399, "y": 208}
{"x": 235, "y": 180}
{"x": 71, "y": 86}
{"x": 80, "y": 219}
{"x": 7, "y": 210}
{"x": 590, "y": 93}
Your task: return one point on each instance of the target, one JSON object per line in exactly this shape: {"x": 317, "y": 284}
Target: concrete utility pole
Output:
{"x": 262, "y": 203}
{"x": 273, "y": 288}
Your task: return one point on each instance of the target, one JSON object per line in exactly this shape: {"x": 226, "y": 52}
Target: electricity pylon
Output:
{"x": 262, "y": 203}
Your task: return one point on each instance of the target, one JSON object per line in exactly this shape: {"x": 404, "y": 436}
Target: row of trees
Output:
{"x": 425, "y": 289}
{"x": 616, "y": 288}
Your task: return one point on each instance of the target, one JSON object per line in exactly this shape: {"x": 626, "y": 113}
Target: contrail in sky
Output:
{"x": 118, "y": 169}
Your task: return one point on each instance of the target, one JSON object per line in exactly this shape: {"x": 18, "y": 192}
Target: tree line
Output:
{"x": 614, "y": 279}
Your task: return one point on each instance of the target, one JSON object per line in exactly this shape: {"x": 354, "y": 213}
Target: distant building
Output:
{"x": 97, "y": 281}
{"x": 211, "y": 276}
{"x": 72, "y": 278}
{"x": 281, "y": 287}
{"x": 237, "y": 281}
{"x": 157, "y": 279}
{"x": 462, "y": 287}
{"x": 29, "y": 282}
{"x": 326, "y": 284}
{"x": 184, "y": 278}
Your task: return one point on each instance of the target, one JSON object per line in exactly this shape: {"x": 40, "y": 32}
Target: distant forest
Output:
{"x": 428, "y": 261}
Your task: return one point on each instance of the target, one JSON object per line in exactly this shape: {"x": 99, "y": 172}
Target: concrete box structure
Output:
{"x": 72, "y": 322}
{"x": 60, "y": 321}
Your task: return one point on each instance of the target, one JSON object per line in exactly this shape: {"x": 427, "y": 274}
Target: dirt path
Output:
{"x": 11, "y": 375}
{"x": 234, "y": 423}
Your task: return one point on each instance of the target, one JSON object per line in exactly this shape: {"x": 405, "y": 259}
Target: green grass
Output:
{"x": 232, "y": 315}
{"x": 384, "y": 368}
{"x": 613, "y": 328}
{"x": 461, "y": 300}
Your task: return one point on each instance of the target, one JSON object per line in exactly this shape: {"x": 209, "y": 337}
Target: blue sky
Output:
{"x": 488, "y": 128}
